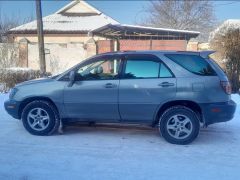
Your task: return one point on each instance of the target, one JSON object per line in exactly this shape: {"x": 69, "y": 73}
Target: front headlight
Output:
{"x": 12, "y": 92}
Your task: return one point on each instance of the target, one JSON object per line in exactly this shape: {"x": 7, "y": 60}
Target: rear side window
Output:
{"x": 193, "y": 63}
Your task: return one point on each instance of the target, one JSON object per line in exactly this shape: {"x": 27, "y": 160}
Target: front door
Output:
{"x": 94, "y": 95}
{"x": 147, "y": 82}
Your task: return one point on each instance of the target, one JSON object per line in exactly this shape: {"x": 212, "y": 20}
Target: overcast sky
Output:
{"x": 126, "y": 12}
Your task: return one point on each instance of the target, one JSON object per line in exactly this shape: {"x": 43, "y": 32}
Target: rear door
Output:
{"x": 202, "y": 78}
{"x": 146, "y": 83}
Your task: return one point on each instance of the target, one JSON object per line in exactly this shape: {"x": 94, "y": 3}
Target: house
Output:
{"x": 72, "y": 23}
{"x": 79, "y": 30}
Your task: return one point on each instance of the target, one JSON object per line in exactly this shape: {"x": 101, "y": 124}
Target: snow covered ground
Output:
{"x": 118, "y": 153}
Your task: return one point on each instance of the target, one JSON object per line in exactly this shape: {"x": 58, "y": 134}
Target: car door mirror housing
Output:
{"x": 72, "y": 75}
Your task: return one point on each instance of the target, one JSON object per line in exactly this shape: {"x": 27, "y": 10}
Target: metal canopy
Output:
{"x": 118, "y": 31}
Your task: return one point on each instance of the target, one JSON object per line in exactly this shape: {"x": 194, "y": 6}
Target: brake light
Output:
{"x": 226, "y": 87}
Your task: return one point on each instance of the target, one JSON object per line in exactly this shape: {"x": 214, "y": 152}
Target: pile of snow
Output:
{"x": 18, "y": 69}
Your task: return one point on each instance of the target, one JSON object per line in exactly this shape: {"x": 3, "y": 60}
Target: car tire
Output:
{"x": 40, "y": 118}
{"x": 179, "y": 125}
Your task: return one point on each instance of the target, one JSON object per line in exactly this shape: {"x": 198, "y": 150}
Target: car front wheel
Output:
{"x": 179, "y": 125}
{"x": 40, "y": 118}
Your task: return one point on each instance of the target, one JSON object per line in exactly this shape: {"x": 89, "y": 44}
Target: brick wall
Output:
{"x": 64, "y": 55}
{"x": 128, "y": 45}
{"x": 105, "y": 46}
{"x": 179, "y": 45}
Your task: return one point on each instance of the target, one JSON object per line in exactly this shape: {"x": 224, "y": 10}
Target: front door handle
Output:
{"x": 166, "y": 84}
{"x": 110, "y": 85}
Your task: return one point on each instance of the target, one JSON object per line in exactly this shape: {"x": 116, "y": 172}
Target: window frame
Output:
{"x": 122, "y": 66}
{"x": 94, "y": 60}
{"x": 149, "y": 57}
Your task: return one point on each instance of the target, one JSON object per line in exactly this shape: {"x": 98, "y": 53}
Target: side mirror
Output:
{"x": 71, "y": 78}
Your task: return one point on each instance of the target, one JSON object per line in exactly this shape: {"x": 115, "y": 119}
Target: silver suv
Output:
{"x": 175, "y": 91}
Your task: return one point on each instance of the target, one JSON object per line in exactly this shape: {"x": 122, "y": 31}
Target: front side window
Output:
{"x": 141, "y": 69}
{"x": 193, "y": 63}
{"x": 100, "y": 70}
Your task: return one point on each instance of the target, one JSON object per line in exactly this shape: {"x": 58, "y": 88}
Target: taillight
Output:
{"x": 226, "y": 87}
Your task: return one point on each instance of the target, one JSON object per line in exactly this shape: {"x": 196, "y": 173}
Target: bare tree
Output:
{"x": 8, "y": 22}
{"x": 184, "y": 14}
{"x": 9, "y": 51}
{"x": 226, "y": 41}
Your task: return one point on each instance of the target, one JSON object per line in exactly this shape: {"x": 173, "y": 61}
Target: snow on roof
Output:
{"x": 123, "y": 31}
{"x": 159, "y": 29}
{"x": 227, "y": 25}
{"x": 77, "y": 16}
{"x": 58, "y": 22}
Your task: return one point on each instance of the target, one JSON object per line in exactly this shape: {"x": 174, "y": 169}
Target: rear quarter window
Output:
{"x": 193, "y": 63}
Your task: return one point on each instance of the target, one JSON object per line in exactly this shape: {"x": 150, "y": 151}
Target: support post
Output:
{"x": 115, "y": 48}
{"x": 40, "y": 38}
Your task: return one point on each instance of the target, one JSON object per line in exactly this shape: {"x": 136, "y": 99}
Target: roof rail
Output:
{"x": 115, "y": 52}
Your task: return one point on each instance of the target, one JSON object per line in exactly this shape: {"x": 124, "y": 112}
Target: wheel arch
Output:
{"x": 187, "y": 103}
{"x": 31, "y": 99}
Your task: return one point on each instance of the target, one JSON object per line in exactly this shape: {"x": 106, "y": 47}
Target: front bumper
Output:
{"x": 218, "y": 112}
{"x": 12, "y": 108}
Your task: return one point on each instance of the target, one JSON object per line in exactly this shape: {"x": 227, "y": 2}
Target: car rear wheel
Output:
{"x": 40, "y": 118}
{"x": 179, "y": 125}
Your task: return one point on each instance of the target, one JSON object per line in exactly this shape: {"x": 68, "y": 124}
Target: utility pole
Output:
{"x": 40, "y": 38}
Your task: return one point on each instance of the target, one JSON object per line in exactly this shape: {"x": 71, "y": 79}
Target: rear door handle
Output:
{"x": 166, "y": 84}
{"x": 110, "y": 85}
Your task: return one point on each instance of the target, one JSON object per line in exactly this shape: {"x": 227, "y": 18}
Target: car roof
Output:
{"x": 200, "y": 53}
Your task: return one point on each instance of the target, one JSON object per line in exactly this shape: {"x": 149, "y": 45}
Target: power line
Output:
{"x": 229, "y": 3}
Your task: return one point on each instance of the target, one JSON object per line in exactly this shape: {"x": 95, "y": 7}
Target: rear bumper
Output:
{"x": 218, "y": 112}
{"x": 12, "y": 108}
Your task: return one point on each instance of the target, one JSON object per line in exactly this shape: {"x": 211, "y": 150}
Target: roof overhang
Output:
{"x": 119, "y": 31}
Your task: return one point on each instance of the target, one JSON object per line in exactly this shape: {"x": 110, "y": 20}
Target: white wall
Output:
{"x": 9, "y": 55}
{"x": 61, "y": 57}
